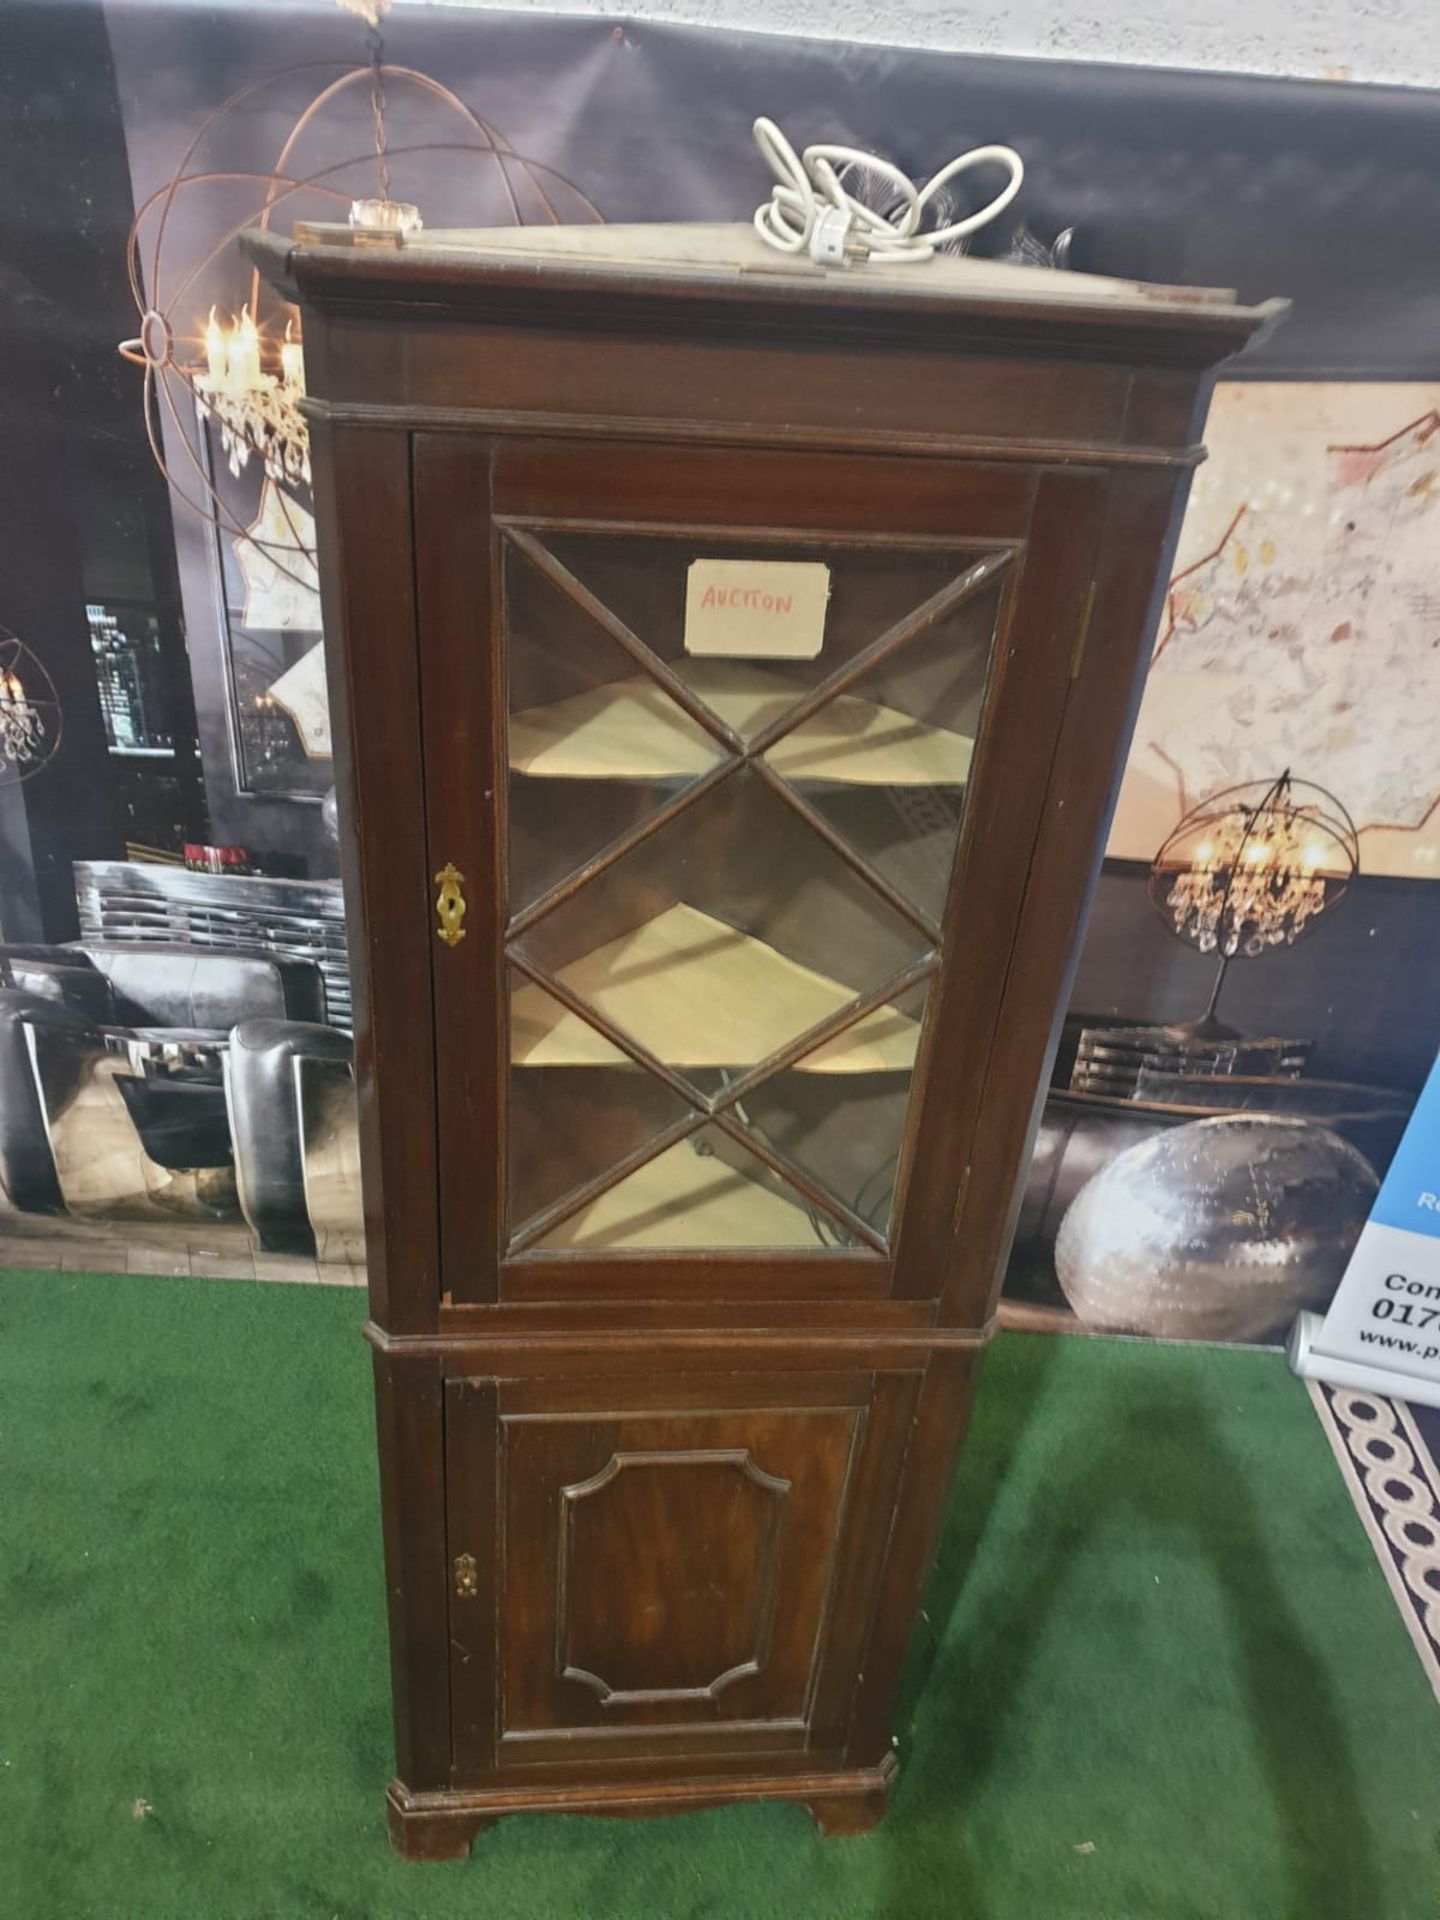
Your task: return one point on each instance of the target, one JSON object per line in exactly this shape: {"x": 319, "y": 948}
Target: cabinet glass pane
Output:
{"x": 644, "y": 583}
{"x": 577, "y": 1110}
{"x": 836, "y": 1119}
{"x": 737, "y": 774}
{"x": 728, "y": 933}
{"x": 706, "y": 1191}
{"x": 595, "y": 744}
{"x": 886, "y": 763}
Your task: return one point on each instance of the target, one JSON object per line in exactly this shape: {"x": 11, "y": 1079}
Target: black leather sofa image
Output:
{"x": 214, "y": 1044}
{"x": 273, "y": 1069}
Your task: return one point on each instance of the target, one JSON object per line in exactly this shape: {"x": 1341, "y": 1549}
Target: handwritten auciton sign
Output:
{"x": 756, "y": 609}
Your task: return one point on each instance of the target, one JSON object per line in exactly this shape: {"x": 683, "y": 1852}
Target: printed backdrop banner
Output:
{"x": 176, "y": 1075}
{"x": 1300, "y": 626}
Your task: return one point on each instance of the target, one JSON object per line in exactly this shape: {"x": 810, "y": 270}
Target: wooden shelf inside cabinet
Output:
{"x": 698, "y": 993}
{"x": 661, "y": 1488}
{"x": 631, "y": 729}
{"x": 690, "y": 1197}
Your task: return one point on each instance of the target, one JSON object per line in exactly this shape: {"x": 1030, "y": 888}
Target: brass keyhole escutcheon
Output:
{"x": 467, "y": 1578}
{"x": 450, "y": 905}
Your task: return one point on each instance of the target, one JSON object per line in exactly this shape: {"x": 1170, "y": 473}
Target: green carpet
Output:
{"x": 1173, "y": 1683}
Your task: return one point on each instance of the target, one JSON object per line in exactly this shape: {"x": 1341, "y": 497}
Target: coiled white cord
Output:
{"x": 809, "y": 211}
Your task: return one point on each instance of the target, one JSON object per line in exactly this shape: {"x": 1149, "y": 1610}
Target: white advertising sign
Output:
{"x": 1382, "y": 1331}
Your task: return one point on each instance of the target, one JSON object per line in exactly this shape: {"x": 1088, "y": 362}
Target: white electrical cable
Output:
{"x": 809, "y": 211}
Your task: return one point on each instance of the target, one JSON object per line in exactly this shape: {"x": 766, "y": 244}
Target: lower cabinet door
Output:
{"x": 668, "y": 1570}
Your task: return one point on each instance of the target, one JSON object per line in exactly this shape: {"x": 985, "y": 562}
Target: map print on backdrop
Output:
{"x": 276, "y": 561}
{"x": 1302, "y": 627}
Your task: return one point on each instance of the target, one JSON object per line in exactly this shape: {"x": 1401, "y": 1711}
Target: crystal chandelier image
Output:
{"x": 30, "y": 718}
{"x": 257, "y": 411}
{"x": 1250, "y": 869}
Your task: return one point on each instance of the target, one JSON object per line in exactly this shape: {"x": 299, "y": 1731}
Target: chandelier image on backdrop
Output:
{"x": 30, "y": 718}
{"x": 1252, "y": 868}
{"x": 219, "y": 358}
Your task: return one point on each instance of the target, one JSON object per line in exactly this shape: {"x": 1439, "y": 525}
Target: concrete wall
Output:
{"x": 1395, "y": 41}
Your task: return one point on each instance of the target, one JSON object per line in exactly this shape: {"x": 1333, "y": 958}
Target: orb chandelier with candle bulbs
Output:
{"x": 30, "y": 717}
{"x": 218, "y": 364}
{"x": 1250, "y": 869}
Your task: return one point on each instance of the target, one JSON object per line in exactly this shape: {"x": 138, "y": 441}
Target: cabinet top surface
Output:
{"x": 729, "y": 263}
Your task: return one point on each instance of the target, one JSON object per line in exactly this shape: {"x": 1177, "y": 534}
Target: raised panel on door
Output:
{"x": 722, "y": 762}
{"x": 680, "y": 1568}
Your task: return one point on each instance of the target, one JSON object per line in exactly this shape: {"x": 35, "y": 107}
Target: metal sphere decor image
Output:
{"x": 1219, "y": 1229}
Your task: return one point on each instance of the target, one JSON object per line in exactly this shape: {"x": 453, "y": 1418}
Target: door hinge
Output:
{"x": 450, "y": 905}
{"x": 467, "y": 1576}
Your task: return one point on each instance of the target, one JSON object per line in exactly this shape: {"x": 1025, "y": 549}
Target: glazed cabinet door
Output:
{"x": 683, "y": 1568}
{"x": 734, "y": 762}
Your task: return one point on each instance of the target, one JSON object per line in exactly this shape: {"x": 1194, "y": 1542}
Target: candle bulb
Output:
{"x": 292, "y": 362}
{"x": 214, "y": 352}
{"x": 243, "y": 358}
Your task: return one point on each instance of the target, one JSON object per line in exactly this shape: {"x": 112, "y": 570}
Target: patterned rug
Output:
{"x": 1387, "y": 1450}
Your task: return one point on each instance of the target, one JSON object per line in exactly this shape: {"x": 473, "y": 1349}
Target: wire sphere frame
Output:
{"x": 153, "y": 348}
{"x": 1254, "y": 803}
{"x": 21, "y": 660}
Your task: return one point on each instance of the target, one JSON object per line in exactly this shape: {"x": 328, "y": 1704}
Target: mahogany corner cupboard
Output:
{"x": 731, "y": 661}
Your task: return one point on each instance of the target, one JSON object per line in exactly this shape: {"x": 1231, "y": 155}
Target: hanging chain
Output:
{"x": 375, "y": 41}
